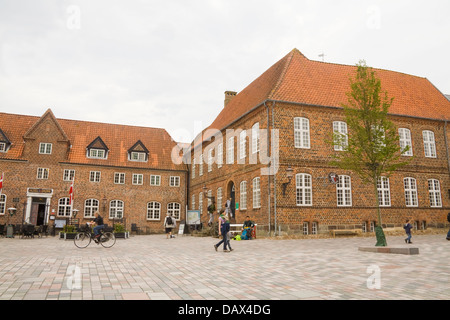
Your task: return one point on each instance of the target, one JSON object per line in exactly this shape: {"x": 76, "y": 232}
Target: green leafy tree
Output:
{"x": 371, "y": 147}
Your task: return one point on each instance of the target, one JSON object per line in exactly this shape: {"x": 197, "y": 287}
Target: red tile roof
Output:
{"x": 118, "y": 138}
{"x": 297, "y": 79}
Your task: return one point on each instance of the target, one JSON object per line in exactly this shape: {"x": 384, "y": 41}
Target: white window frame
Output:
{"x": 137, "y": 179}
{"x": 256, "y": 193}
{"x": 429, "y": 144}
{"x": 116, "y": 209}
{"x": 200, "y": 202}
{"x": 219, "y": 155}
{"x": 301, "y": 133}
{"x": 194, "y": 162}
{"x": 410, "y": 187}
{"x": 119, "y": 178}
{"x": 43, "y": 173}
{"x": 434, "y": 191}
{"x": 64, "y": 208}
{"x": 305, "y": 228}
{"x": 2, "y": 204}
{"x": 45, "y": 148}
{"x": 230, "y": 150}
{"x": 95, "y": 176}
{"x": 200, "y": 165}
{"x": 174, "y": 208}
{"x": 153, "y": 211}
{"x": 405, "y": 140}
{"x": 303, "y": 184}
{"x": 344, "y": 191}
{"x": 314, "y": 227}
{"x": 243, "y": 195}
{"x": 174, "y": 181}
{"x": 193, "y": 202}
{"x": 219, "y": 198}
{"x": 90, "y": 206}
{"x": 210, "y": 159}
{"x": 340, "y": 127}
{"x": 384, "y": 192}
{"x": 68, "y": 174}
{"x": 255, "y": 138}
{"x": 138, "y": 156}
{"x": 2, "y": 147}
{"x": 94, "y": 153}
{"x": 242, "y": 144}
{"x": 155, "y": 180}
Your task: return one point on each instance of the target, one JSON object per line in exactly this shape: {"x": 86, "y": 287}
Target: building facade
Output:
{"x": 267, "y": 151}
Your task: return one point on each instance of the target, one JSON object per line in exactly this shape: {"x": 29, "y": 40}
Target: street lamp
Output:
{"x": 289, "y": 174}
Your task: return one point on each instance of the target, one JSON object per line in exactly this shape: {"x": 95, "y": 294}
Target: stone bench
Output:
{"x": 350, "y": 232}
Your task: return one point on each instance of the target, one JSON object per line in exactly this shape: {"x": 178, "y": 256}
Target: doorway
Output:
{"x": 38, "y": 211}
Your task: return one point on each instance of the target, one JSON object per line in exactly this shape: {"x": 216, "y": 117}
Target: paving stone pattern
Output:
{"x": 188, "y": 268}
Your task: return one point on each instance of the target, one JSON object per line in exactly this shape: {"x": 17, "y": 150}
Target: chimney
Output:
{"x": 229, "y": 95}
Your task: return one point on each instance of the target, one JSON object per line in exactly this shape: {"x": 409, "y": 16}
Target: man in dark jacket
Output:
{"x": 98, "y": 220}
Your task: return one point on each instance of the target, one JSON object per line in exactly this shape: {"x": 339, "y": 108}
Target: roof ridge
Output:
{"x": 288, "y": 58}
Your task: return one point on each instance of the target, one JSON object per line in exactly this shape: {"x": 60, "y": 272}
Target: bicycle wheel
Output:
{"x": 107, "y": 239}
{"x": 82, "y": 239}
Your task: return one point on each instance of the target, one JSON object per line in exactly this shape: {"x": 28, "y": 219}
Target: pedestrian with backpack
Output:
{"x": 169, "y": 225}
{"x": 448, "y": 234}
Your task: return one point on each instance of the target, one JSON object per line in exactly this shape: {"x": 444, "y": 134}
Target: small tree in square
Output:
{"x": 371, "y": 148}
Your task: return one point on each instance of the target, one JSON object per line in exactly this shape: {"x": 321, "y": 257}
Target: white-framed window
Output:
{"x": 116, "y": 209}
{"x": 429, "y": 144}
{"x": 255, "y": 138}
{"x": 64, "y": 207}
{"x": 243, "y": 195}
{"x": 434, "y": 189}
{"x": 193, "y": 202}
{"x": 90, "y": 206}
{"x": 45, "y": 148}
{"x": 97, "y": 153}
{"x": 194, "y": 162}
{"x": 256, "y": 193}
{"x": 2, "y": 204}
{"x": 372, "y": 226}
{"x": 42, "y": 173}
{"x": 242, "y": 144}
{"x": 200, "y": 202}
{"x": 219, "y": 198}
{"x": 94, "y": 176}
{"x": 119, "y": 178}
{"x": 340, "y": 130}
{"x": 209, "y": 194}
{"x": 153, "y": 210}
{"x": 305, "y": 228}
{"x": 303, "y": 183}
{"x": 138, "y": 179}
{"x": 2, "y": 147}
{"x": 384, "y": 194}
{"x": 174, "y": 181}
{"x": 364, "y": 227}
{"x": 210, "y": 159}
{"x": 200, "y": 165}
{"x": 314, "y": 227}
{"x": 405, "y": 140}
{"x": 410, "y": 192}
{"x": 301, "y": 133}
{"x": 219, "y": 155}
{"x": 155, "y": 180}
{"x": 138, "y": 156}
{"x": 230, "y": 150}
{"x": 174, "y": 209}
{"x": 68, "y": 174}
{"x": 344, "y": 191}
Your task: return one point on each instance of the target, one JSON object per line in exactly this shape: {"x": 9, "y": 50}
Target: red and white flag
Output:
{"x": 1, "y": 183}
{"x": 71, "y": 192}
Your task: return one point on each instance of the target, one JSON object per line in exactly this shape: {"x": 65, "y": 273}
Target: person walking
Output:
{"x": 169, "y": 225}
{"x": 408, "y": 228}
{"x": 223, "y": 231}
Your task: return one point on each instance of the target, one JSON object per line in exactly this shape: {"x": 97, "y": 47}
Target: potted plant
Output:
{"x": 69, "y": 232}
{"x": 119, "y": 231}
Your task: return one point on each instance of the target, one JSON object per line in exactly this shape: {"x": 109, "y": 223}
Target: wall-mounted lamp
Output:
{"x": 289, "y": 174}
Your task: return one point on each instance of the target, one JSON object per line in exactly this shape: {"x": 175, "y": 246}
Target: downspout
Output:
{"x": 268, "y": 152}
{"x": 446, "y": 145}
{"x": 274, "y": 176}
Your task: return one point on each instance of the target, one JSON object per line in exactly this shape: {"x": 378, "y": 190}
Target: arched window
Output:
{"x": 304, "y": 189}
{"x": 153, "y": 210}
{"x": 255, "y": 138}
{"x": 301, "y": 133}
{"x": 243, "y": 194}
{"x": 90, "y": 206}
{"x": 256, "y": 193}
{"x": 174, "y": 209}
{"x": 64, "y": 207}
{"x": 344, "y": 191}
{"x": 116, "y": 209}
{"x": 410, "y": 192}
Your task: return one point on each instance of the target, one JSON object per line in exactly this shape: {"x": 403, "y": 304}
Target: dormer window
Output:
{"x": 138, "y": 152}
{"x": 97, "y": 149}
{"x": 2, "y": 147}
{"x": 4, "y": 142}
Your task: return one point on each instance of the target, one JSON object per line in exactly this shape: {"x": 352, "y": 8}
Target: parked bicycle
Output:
{"x": 84, "y": 238}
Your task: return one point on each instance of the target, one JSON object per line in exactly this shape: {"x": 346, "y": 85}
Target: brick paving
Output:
{"x": 188, "y": 268}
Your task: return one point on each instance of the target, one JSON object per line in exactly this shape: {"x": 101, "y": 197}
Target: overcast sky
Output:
{"x": 167, "y": 63}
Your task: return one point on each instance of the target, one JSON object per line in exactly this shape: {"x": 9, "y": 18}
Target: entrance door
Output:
{"x": 38, "y": 208}
{"x": 41, "y": 214}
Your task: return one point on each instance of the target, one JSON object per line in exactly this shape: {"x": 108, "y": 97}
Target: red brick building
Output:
{"x": 300, "y": 100}
{"x": 121, "y": 171}
{"x": 278, "y": 124}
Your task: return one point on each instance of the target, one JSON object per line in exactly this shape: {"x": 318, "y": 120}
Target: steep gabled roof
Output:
{"x": 47, "y": 114}
{"x": 4, "y": 138}
{"x": 138, "y": 147}
{"x": 98, "y": 143}
{"x": 297, "y": 79}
